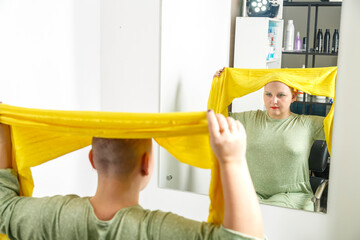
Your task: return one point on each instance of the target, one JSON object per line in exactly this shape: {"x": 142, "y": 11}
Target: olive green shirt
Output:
{"x": 71, "y": 217}
{"x": 277, "y": 156}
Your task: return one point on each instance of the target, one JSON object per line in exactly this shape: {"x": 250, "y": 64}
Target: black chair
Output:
{"x": 319, "y": 160}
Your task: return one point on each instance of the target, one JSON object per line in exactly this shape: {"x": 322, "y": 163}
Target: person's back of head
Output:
{"x": 119, "y": 157}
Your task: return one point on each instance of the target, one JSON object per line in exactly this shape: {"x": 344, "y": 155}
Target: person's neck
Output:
{"x": 113, "y": 195}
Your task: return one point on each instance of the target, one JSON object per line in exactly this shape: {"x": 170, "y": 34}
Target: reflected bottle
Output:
{"x": 289, "y": 37}
{"x": 335, "y": 42}
{"x": 297, "y": 42}
{"x": 319, "y": 41}
{"x": 327, "y": 41}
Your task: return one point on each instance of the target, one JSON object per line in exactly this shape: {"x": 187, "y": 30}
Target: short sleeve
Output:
{"x": 317, "y": 125}
{"x": 241, "y": 116}
{"x": 20, "y": 217}
{"x": 172, "y": 226}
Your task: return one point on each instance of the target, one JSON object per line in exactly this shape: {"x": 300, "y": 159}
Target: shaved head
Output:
{"x": 118, "y": 157}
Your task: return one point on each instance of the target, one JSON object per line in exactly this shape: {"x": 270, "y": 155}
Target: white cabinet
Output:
{"x": 258, "y": 42}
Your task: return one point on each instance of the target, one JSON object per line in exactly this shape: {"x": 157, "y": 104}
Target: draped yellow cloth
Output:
{"x": 42, "y": 135}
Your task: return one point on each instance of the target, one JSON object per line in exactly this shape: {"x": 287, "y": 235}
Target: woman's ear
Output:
{"x": 91, "y": 159}
{"x": 145, "y": 164}
{"x": 293, "y": 96}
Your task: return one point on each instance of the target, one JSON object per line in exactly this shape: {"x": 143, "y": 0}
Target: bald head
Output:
{"x": 118, "y": 157}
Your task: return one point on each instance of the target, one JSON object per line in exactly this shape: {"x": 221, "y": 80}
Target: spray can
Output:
{"x": 319, "y": 41}
{"x": 327, "y": 41}
{"x": 335, "y": 42}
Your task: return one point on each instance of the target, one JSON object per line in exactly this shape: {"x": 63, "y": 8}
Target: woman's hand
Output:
{"x": 218, "y": 73}
{"x": 227, "y": 138}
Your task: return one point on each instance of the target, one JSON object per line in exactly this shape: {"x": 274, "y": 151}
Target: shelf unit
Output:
{"x": 303, "y": 106}
{"x": 252, "y": 47}
{"x": 307, "y": 52}
{"x": 309, "y": 5}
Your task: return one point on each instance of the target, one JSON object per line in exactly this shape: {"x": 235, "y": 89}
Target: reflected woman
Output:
{"x": 279, "y": 143}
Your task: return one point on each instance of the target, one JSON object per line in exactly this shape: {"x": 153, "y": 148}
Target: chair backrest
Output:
{"x": 318, "y": 157}
{"x": 318, "y": 161}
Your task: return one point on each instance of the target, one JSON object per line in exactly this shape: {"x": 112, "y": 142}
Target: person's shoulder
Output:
{"x": 251, "y": 113}
{"x": 309, "y": 118}
{"x": 171, "y": 222}
{"x": 71, "y": 202}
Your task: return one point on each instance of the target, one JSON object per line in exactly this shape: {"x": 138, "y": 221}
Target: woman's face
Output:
{"x": 277, "y": 98}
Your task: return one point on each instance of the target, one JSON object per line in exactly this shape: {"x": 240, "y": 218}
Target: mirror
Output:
{"x": 194, "y": 43}
{"x": 192, "y": 49}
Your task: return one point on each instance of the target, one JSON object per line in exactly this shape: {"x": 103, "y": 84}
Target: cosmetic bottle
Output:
{"x": 297, "y": 42}
{"x": 335, "y": 42}
{"x": 304, "y": 43}
{"x": 289, "y": 39}
{"x": 300, "y": 96}
{"x": 327, "y": 41}
{"x": 319, "y": 41}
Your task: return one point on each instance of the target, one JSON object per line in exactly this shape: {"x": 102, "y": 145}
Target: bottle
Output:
{"x": 300, "y": 96}
{"x": 319, "y": 41}
{"x": 297, "y": 42}
{"x": 327, "y": 41}
{"x": 304, "y": 43}
{"x": 289, "y": 37}
{"x": 335, "y": 42}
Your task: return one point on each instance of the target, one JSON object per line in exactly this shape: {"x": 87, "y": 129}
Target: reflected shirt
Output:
{"x": 278, "y": 152}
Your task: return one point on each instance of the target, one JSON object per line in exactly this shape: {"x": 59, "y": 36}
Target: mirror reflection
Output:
{"x": 187, "y": 67}
{"x": 282, "y": 145}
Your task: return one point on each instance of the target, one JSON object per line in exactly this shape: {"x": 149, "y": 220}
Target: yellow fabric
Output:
{"x": 234, "y": 83}
{"x": 42, "y": 135}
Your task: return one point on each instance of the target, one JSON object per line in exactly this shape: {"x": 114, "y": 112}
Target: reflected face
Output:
{"x": 278, "y": 98}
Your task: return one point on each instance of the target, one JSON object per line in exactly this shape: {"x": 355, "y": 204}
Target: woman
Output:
{"x": 279, "y": 143}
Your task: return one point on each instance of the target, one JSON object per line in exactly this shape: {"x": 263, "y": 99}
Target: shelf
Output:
{"x": 306, "y": 4}
{"x": 309, "y": 53}
{"x": 313, "y": 103}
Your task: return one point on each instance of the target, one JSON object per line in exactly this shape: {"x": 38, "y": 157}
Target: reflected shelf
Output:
{"x": 303, "y": 52}
{"x": 313, "y": 103}
{"x": 305, "y": 4}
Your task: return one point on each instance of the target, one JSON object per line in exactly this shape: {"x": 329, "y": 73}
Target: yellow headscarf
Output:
{"x": 42, "y": 135}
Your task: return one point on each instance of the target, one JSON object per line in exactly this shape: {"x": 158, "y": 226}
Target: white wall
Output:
{"x": 130, "y": 55}
{"x": 49, "y": 58}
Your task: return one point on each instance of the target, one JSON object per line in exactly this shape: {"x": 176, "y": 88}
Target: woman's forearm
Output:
{"x": 242, "y": 211}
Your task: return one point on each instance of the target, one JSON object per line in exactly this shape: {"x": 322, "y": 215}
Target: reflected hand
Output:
{"x": 227, "y": 138}
{"x": 5, "y": 146}
{"x": 218, "y": 73}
